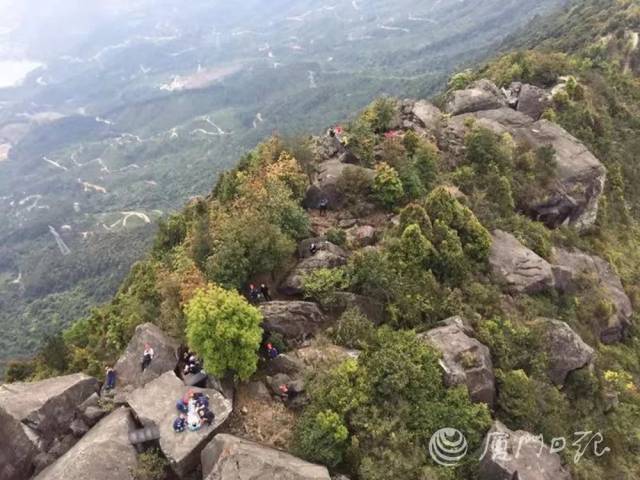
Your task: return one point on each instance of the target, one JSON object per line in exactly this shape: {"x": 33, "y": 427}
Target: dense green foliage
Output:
{"x": 390, "y": 402}
{"x": 123, "y": 129}
{"x": 224, "y": 330}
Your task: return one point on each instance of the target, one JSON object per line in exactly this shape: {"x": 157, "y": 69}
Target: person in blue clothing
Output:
{"x": 272, "y": 351}
{"x": 180, "y": 423}
{"x": 110, "y": 383}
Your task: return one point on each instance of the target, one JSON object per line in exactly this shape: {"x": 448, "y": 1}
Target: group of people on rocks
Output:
{"x": 194, "y": 412}
{"x": 192, "y": 364}
{"x": 259, "y": 294}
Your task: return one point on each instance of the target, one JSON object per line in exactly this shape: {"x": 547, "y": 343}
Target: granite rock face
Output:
{"x": 533, "y": 461}
{"x": 517, "y": 268}
{"x": 566, "y": 351}
{"x": 571, "y": 265}
{"x": 572, "y": 195}
{"x": 325, "y": 184}
{"x": 465, "y": 360}
{"x": 155, "y": 404}
{"x": 295, "y": 321}
{"x": 128, "y": 367}
{"x": 17, "y": 451}
{"x": 48, "y": 407}
{"x": 102, "y": 454}
{"x": 231, "y": 458}
{"x": 481, "y": 95}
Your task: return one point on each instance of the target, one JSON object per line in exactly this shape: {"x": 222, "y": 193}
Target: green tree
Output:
{"x": 322, "y": 438}
{"x": 476, "y": 241}
{"x": 224, "y": 330}
{"x": 387, "y": 185}
{"x": 391, "y": 400}
{"x": 425, "y": 160}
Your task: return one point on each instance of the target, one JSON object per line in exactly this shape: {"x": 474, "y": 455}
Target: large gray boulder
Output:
{"x": 566, "y": 351}
{"x": 48, "y": 407}
{"x": 102, "y": 454}
{"x": 465, "y": 360}
{"x": 128, "y": 367}
{"x": 422, "y": 117}
{"x": 231, "y": 458}
{"x": 325, "y": 183}
{"x": 322, "y": 245}
{"x": 373, "y": 309}
{"x": 481, "y": 95}
{"x": 572, "y": 196}
{"x": 330, "y": 256}
{"x": 517, "y": 268}
{"x": 571, "y": 265}
{"x": 17, "y": 451}
{"x": 295, "y": 321}
{"x": 362, "y": 236}
{"x": 155, "y": 404}
{"x": 326, "y": 147}
{"x": 533, "y": 101}
{"x": 518, "y": 455}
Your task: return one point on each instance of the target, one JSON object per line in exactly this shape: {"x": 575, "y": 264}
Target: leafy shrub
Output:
{"x": 353, "y": 330}
{"x": 19, "y": 371}
{"x": 379, "y": 114}
{"x": 151, "y": 466}
{"x": 415, "y": 214}
{"x": 387, "y": 186}
{"x": 391, "y": 400}
{"x": 476, "y": 241}
{"x": 322, "y": 438}
{"x": 323, "y": 284}
{"x": 337, "y": 236}
{"x": 354, "y": 184}
{"x": 171, "y": 232}
{"x": 224, "y": 330}
{"x": 532, "y": 405}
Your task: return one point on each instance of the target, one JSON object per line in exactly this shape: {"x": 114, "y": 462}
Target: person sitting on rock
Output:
{"x": 111, "y": 378}
{"x": 183, "y": 403}
{"x": 206, "y": 416}
{"x": 322, "y": 206}
{"x": 193, "y": 419}
{"x": 284, "y": 392}
{"x": 272, "y": 352}
{"x": 147, "y": 356}
{"x": 264, "y": 290}
{"x": 180, "y": 423}
{"x": 202, "y": 400}
{"x": 192, "y": 365}
{"x": 288, "y": 392}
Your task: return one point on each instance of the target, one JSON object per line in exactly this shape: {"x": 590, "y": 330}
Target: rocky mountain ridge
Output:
{"x": 571, "y": 199}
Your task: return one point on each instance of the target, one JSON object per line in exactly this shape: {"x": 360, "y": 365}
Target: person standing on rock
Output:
{"x": 264, "y": 290}
{"x": 147, "y": 356}
{"x": 322, "y": 206}
{"x": 253, "y": 293}
{"x": 110, "y": 383}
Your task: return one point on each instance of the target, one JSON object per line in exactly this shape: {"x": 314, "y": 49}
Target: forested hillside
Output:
{"x": 144, "y": 109}
{"x": 477, "y": 264}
